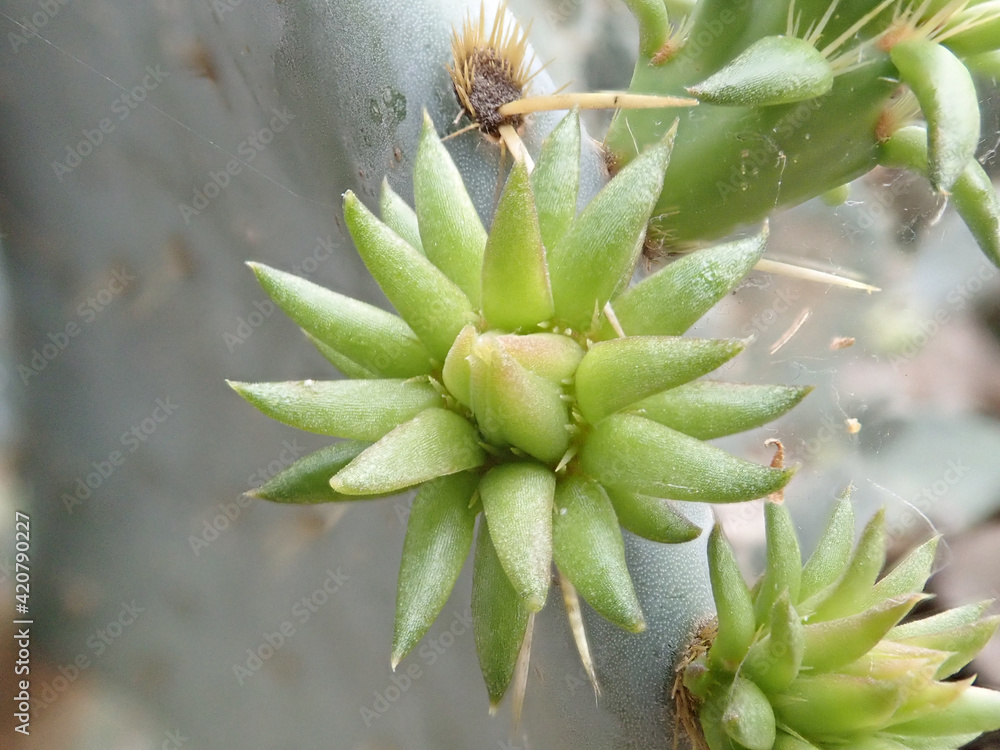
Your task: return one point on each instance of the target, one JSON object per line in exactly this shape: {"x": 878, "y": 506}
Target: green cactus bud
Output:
{"x": 450, "y": 230}
{"x": 671, "y": 300}
{"x": 614, "y": 374}
{"x": 772, "y": 70}
{"x": 748, "y": 718}
{"x": 556, "y": 179}
{"x": 376, "y": 340}
{"x": 433, "y": 444}
{"x": 652, "y": 517}
{"x": 355, "y": 409}
{"x": 588, "y": 548}
{"x": 709, "y": 409}
{"x": 516, "y": 407}
{"x": 434, "y": 307}
{"x": 784, "y": 561}
{"x": 846, "y": 675}
{"x": 499, "y": 619}
{"x": 399, "y": 217}
{"x": 308, "y": 479}
{"x": 515, "y": 279}
{"x": 636, "y": 454}
{"x": 438, "y": 539}
{"x": 732, "y": 602}
{"x": 518, "y": 501}
{"x": 597, "y": 254}
{"x": 502, "y": 399}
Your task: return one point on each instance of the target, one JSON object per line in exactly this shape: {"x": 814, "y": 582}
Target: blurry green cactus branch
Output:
{"x": 525, "y": 382}
{"x": 800, "y": 97}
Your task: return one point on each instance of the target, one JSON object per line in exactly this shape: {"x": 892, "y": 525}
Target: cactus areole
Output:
{"x": 524, "y": 379}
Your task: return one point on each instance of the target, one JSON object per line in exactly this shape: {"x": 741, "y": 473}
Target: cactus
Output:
{"x": 814, "y": 656}
{"x": 523, "y": 380}
{"x": 799, "y": 98}
{"x": 526, "y": 387}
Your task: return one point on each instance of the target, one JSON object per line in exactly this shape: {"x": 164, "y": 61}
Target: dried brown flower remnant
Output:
{"x": 490, "y": 70}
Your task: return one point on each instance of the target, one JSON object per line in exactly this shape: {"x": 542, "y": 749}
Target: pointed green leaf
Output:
{"x": 629, "y": 452}
{"x": 450, "y": 230}
{"x": 399, "y": 217}
{"x": 748, "y": 717}
{"x": 774, "y": 661}
{"x": 941, "y": 622}
{"x": 733, "y": 606}
{"x": 556, "y": 179}
{"x": 834, "y": 704}
{"x": 709, "y": 409}
{"x": 438, "y": 539}
{"x": 928, "y": 698}
{"x": 976, "y": 710}
{"x": 456, "y": 373}
{"x": 308, "y": 479}
{"x": 499, "y": 619}
{"x": 614, "y": 374}
{"x": 515, "y": 290}
{"x": 373, "y": 338}
{"x": 963, "y": 642}
{"x": 514, "y": 406}
{"x": 669, "y": 301}
{"x": 784, "y": 560}
{"x": 772, "y": 70}
{"x": 710, "y": 715}
{"x": 973, "y": 193}
{"x": 356, "y": 409}
{"x": 829, "y": 560}
{"x": 908, "y": 577}
{"x": 345, "y": 364}
{"x": 852, "y": 591}
{"x": 596, "y": 256}
{"x": 834, "y": 643}
{"x": 948, "y": 98}
{"x": 550, "y": 355}
{"x": 652, "y": 517}
{"x": 517, "y": 501}
{"x": 589, "y": 550}
{"x": 433, "y": 444}
{"x": 427, "y": 300}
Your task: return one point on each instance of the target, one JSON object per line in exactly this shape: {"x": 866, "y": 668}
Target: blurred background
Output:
{"x": 169, "y": 611}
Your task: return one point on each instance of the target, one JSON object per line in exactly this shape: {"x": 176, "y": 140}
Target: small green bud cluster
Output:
{"x": 524, "y": 381}
{"x": 814, "y": 656}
